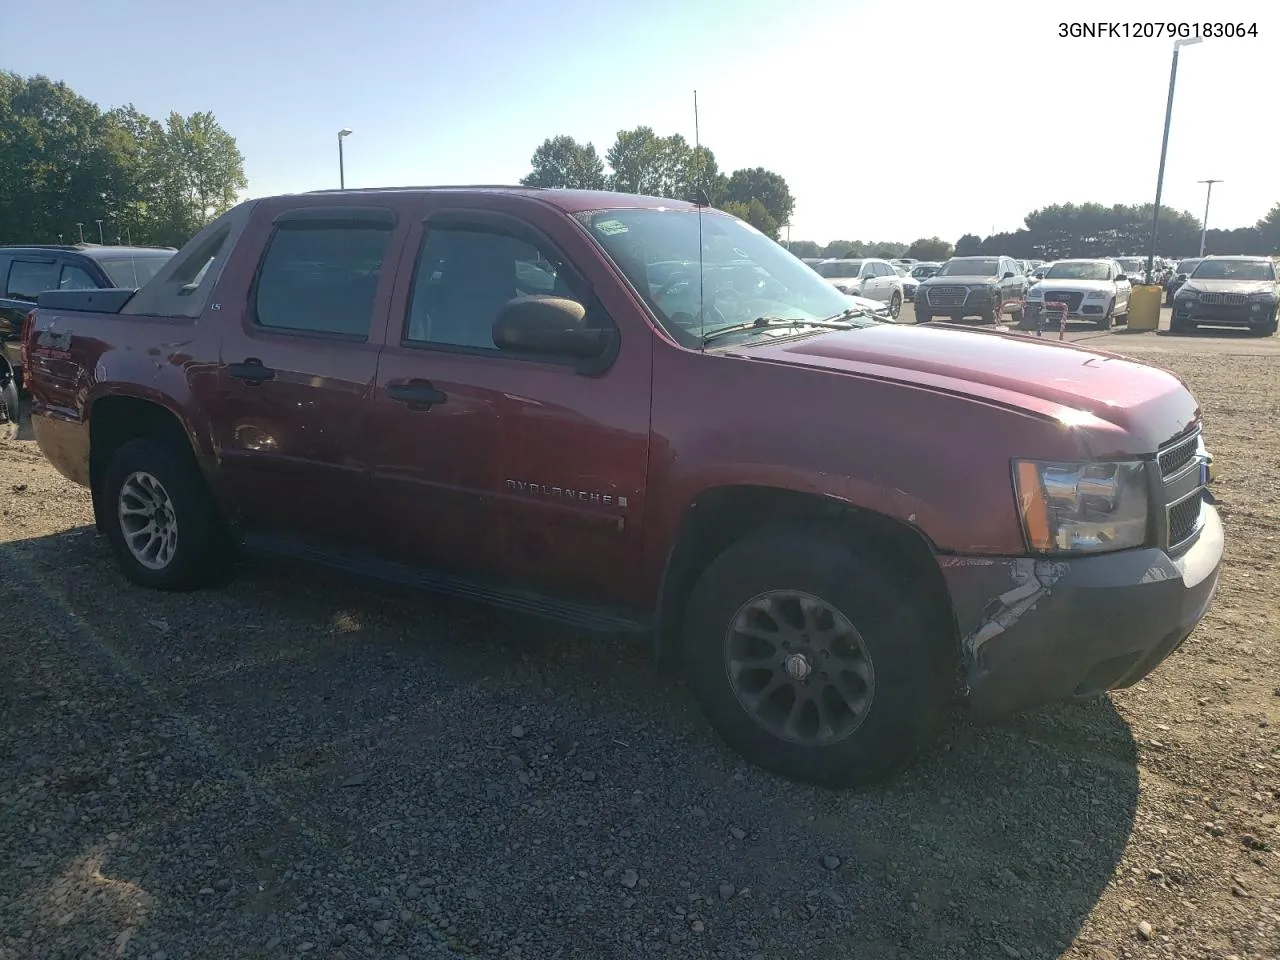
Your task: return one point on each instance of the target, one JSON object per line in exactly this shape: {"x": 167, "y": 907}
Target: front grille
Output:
{"x": 1174, "y": 458}
{"x": 1184, "y": 518}
{"x": 1226, "y": 299}
{"x": 1181, "y": 472}
{"x": 948, "y": 296}
{"x": 1072, "y": 300}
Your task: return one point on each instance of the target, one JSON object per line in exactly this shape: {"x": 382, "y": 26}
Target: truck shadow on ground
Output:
{"x": 300, "y": 757}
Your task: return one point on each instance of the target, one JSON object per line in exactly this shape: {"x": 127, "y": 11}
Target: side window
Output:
{"x": 28, "y": 279}
{"x": 320, "y": 277}
{"x": 466, "y": 274}
{"x": 868, "y": 270}
{"x": 75, "y": 278}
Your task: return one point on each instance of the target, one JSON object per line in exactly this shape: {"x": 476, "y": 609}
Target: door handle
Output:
{"x": 252, "y": 371}
{"x": 418, "y": 396}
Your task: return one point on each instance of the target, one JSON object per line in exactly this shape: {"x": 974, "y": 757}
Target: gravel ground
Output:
{"x": 298, "y": 767}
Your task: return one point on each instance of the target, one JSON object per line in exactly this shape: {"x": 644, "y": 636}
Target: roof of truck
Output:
{"x": 95, "y": 251}
{"x": 571, "y": 201}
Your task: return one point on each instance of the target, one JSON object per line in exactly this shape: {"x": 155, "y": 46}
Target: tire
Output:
{"x": 1105, "y": 322}
{"x": 923, "y": 317}
{"x": 152, "y": 472}
{"x": 895, "y": 305}
{"x": 905, "y": 699}
{"x": 1268, "y": 329}
{"x": 10, "y": 410}
{"x": 1181, "y": 327}
{"x": 1019, "y": 319}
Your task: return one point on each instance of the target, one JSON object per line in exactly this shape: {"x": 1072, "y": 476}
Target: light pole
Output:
{"x": 1204, "y": 224}
{"x": 1164, "y": 149}
{"x": 342, "y": 175}
{"x": 101, "y": 242}
{"x": 80, "y": 227}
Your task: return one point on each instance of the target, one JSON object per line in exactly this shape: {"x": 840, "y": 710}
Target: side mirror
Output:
{"x": 550, "y": 326}
{"x": 1008, "y": 275}
{"x": 1182, "y": 277}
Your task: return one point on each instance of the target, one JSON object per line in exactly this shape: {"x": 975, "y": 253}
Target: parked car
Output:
{"x": 868, "y": 277}
{"x": 907, "y": 262}
{"x": 359, "y": 380}
{"x": 985, "y": 287}
{"x": 1181, "y": 271}
{"x": 1135, "y": 268}
{"x": 26, "y": 272}
{"x": 1039, "y": 270}
{"x": 1228, "y": 292}
{"x": 924, "y": 270}
{"x": 1095, "y": 290}
{"x": 909, "y": 283}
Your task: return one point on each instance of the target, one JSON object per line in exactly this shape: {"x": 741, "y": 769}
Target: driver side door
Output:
{"x": 867, "y": 283}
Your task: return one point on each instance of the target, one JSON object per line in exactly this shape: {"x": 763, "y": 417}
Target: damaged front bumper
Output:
{"x": 1037, "y": 631}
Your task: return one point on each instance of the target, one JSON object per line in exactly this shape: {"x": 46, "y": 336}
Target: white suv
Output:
{"x": 867, "y": 277}
{"x": 1096, "y": 290}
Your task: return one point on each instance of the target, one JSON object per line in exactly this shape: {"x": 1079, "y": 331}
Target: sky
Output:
{"x": 890, "y": 121}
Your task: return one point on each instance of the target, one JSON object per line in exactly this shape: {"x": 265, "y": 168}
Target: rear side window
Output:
{"x": 75, "y": 278}
{"x": 28, "y": 279}
{"x": 321, "y": 278}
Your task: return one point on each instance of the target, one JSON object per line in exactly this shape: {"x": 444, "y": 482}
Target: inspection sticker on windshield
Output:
{"x": 611, "y": 228}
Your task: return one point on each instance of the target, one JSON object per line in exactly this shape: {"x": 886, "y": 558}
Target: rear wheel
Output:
{"x": 10, "y": 410}
{"x": 812, "y": 660}
{"x": 160, "y": 518}
{"x": 895, "y": 305}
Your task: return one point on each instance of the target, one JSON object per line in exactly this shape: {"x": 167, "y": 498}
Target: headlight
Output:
{"x": 1187, "y": 295}
{"x": 1082, "y": 507}
{"x": 1096, "y": 295}
{"x": 1266, "y": 296}
{"x": 1035, "y": 293}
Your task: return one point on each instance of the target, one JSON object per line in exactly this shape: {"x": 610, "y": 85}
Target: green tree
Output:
{"x": 1268, "y": 229}
{"x": 757, "y": 183}
{"x": 967, "y": 246}
{"x": 199, "y": 174}
{"x": 804, "y": 248}
{"x": 931, "y": 248}
{"x": 563, "y": 162}
{"x": 756, "y": 214}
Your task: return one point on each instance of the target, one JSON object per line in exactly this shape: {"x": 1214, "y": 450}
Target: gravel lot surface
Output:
{"x": 295, "y": 766}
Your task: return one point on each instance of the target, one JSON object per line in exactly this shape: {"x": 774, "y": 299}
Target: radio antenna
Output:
{"x": 701, "y": 200}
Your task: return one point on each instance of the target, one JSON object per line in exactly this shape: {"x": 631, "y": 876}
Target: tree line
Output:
{"x": 66, "y": 164}
{"x": 641, "y": 161}
{"x": 1074, "y": 230}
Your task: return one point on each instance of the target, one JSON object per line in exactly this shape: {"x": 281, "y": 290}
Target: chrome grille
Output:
{"x": 1184, "y": 518}
{"x": 1182, "y": 473}
{"x": 948, "y": 296}
{"x": 1175, "y": 457}
{"x": 1227, "y": 299}
{"x": 1070, "y": 298}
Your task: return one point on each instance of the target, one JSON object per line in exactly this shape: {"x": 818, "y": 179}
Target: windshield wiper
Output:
{"x": 764, "y": 323}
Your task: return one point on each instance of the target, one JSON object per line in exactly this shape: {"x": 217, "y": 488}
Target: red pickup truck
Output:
{"x": 635, "y": 414}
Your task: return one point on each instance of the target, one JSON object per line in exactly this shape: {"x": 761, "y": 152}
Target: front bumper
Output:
{"x": 1039, "y": 631}
{"x": 1223, "y": 314}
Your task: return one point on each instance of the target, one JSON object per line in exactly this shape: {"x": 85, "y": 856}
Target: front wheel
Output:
{"x": 922, "y": 317}
{"x": 10, "y": 410}
{"x": 812, "y": 660}
{"x": 895, "y": 305}
{"x": 160, "y": 518}
{"x": 1268, "y": 329}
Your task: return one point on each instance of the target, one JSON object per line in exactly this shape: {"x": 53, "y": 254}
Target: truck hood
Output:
{"x": 1054, "y": 381}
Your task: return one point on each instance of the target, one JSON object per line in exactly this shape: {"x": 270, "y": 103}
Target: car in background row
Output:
{"x": 1096, "y": 290}
{"x": 28, "y": 271}
{"x": 924, "y": 270}
{"x": 868, "y": 277}
{"x": 1229, "y": 292}
{"x": 1183, "y": 270}
{"x": 985, "y": 287}
{"x": 909, "y": 283}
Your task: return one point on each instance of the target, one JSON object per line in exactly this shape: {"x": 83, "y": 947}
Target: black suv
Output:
{"x": 985, "y": 287}
{"x": 26, "y": 272}
{"x": 1228, "y": 292}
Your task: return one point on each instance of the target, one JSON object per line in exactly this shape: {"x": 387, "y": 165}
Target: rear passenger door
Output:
{"x": 298, "y": 359}
{"x": 23, "y": 277}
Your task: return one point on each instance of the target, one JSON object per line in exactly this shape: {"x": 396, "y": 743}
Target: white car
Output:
{"x": 909, "y": 283}
{"x": 869, "y": 277}
{"x": 1096, "y": 290}
{"x": 875, "y": 308}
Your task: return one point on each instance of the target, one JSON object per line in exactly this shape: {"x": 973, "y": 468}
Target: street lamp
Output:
{"x": 1204, "y": 224}
{"x": 101, "y": 242}
{"x": 1164, "y": 149}
{"x": 80, "y": 227}
{"x": 342, "y": 176}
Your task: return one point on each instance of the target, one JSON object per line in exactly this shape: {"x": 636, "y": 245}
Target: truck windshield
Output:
{"x": 1095, "y": 270}
{"x": 740, "y": 276}
{"x": 1234, "y": 270}
{"x": 132, "y": 272}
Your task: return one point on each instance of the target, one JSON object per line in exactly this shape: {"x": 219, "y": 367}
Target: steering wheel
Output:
{"x": 678, "y": 278}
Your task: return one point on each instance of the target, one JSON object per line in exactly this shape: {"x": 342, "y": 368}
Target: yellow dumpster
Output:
{"x": 1144, "y": 307}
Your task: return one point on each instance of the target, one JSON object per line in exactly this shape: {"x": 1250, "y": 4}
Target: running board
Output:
{"x": 422, "y": 580}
